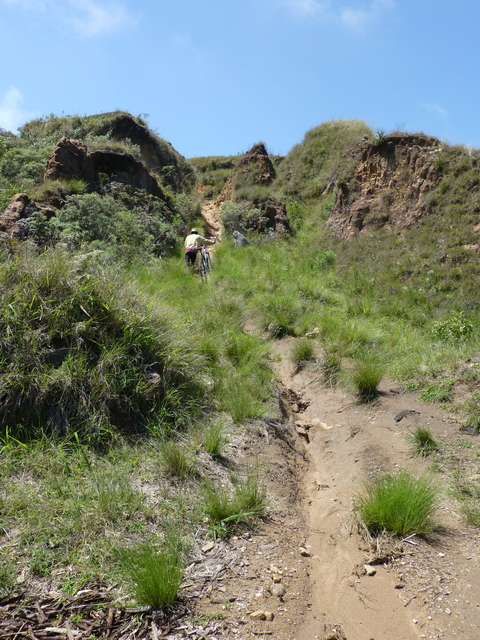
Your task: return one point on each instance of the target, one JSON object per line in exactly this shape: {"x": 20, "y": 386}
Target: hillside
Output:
{"x": 221, "y": 431}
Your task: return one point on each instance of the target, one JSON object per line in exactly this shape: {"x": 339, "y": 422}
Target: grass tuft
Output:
{"x": 399, "y": 504}
{"x": 423, "y": 441}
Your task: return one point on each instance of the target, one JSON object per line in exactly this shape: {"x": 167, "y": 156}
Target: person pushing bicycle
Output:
{"x": 193, "y": 243}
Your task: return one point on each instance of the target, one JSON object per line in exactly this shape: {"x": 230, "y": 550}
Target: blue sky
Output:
{"x": 217, "y": 76}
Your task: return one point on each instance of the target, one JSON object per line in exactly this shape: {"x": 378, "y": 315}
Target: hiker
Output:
{"x": 192, "y": 244}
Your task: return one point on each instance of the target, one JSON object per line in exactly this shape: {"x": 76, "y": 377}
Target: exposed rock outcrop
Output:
{"x": 13, "y": 221}
{"x": 388, "y": 186}
{"x": 274, "y": 216}
{"x": 254, "y": 167}
{"x": 70, "y": 159}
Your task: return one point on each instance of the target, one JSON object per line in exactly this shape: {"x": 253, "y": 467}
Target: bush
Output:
{"x": 236, "y": 217}
{"x": 455, "y": 327}
{"x": 398, "y": 503}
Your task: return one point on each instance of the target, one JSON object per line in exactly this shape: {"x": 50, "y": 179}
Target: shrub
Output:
{"x": 236, "y": 217}
{"x": 324, "y": 260}
{"x": 455, "y": 327}
{"x": 398, "y": 503}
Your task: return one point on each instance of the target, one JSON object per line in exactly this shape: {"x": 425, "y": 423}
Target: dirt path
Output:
{"x": 213, "y": 226}
{"x": 419, "y": 590}
{"x": 338, "y": 584}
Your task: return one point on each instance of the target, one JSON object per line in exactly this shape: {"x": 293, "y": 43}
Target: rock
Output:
{"x": 304, "y": 552}
{"x": 269, "y": 616}
{"x": 208, "y": 547}
{"x": 239, "y": 239}
{"x": 369, "y": 570}
{"x": 71, "y": 160}
{"x": 277, "y": 589}
{"x": 388, "y": 186}
{"x": 277, "y": 578}
{"x": 312, "y": 334}
{"x": 258, "y": 615}
{"x": 14, "y": 220}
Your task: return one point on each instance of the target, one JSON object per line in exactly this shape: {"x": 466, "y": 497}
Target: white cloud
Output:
{"x": 358, "y": 18}
{"x": 12, "y": 114}
{"x": 95, "y": 18}
{"x": 435, "y": 108}
{"x": 356, "y": 15}
{"x": 87, "y": 17}
{"x": 306, "y": 7}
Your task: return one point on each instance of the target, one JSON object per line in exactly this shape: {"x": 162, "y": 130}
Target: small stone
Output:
{"x": 258, "y": 615}
{"x": 269, "y": 616}
{"x": 208, "y": 547}
{"x": 369, "y": 570}
{"x": 277, "y": 578}
{"x": 305, "y": 552}
{"x": 277, "y": 589}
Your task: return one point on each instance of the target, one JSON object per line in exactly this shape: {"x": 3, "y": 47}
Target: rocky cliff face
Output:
{"x": 70, "y": 159}
{"x": 388, "y": 185}
{"x": 254, "y": 167}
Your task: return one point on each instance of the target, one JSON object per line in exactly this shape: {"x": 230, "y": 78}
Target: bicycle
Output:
{"x": 205, "y": 264}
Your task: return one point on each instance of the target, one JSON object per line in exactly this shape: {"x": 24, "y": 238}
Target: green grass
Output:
{"x": 176, "y": 460}
{"x": 423, "y": 441}
{"x": 214, "y": 439}
{"x": 155, "y": 574}
{"x": 400, "y": 504}
{"x": 303, "y": 350}
{"x": 227, "y": 508}
{"x": 367, "y": 375}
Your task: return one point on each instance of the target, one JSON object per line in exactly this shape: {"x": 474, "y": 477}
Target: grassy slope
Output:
{"x": 377, "y": 295}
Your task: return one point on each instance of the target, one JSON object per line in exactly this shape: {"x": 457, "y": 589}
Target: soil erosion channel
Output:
{"x": 361, "y": 589}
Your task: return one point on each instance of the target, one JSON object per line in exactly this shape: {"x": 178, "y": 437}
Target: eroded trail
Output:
{"x": 416, "y": 590}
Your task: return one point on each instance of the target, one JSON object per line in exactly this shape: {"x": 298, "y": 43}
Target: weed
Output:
{"x": 454, "y": 327}
{"x": 441, "y": 392}
{"x": 398, "y": 503}
{"x": 225, "y": 508}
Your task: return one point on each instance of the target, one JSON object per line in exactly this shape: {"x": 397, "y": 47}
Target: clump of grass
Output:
{"x": 155, "y": 575}
{"x": 441, "y": 392}
{"x": 330, "y": 365}
{"x": 303, "y": 350}
{"x": 423, "y": 441}
{"x": 472, "y": 406}
{"x": 175, "y": 459}
{"x": 214, "y": 439}
{"x": 225, "y": 508}
{"x": 7, "y": 578}
{"x": 367, "y": 375}
{"x": 399, "y": 503}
